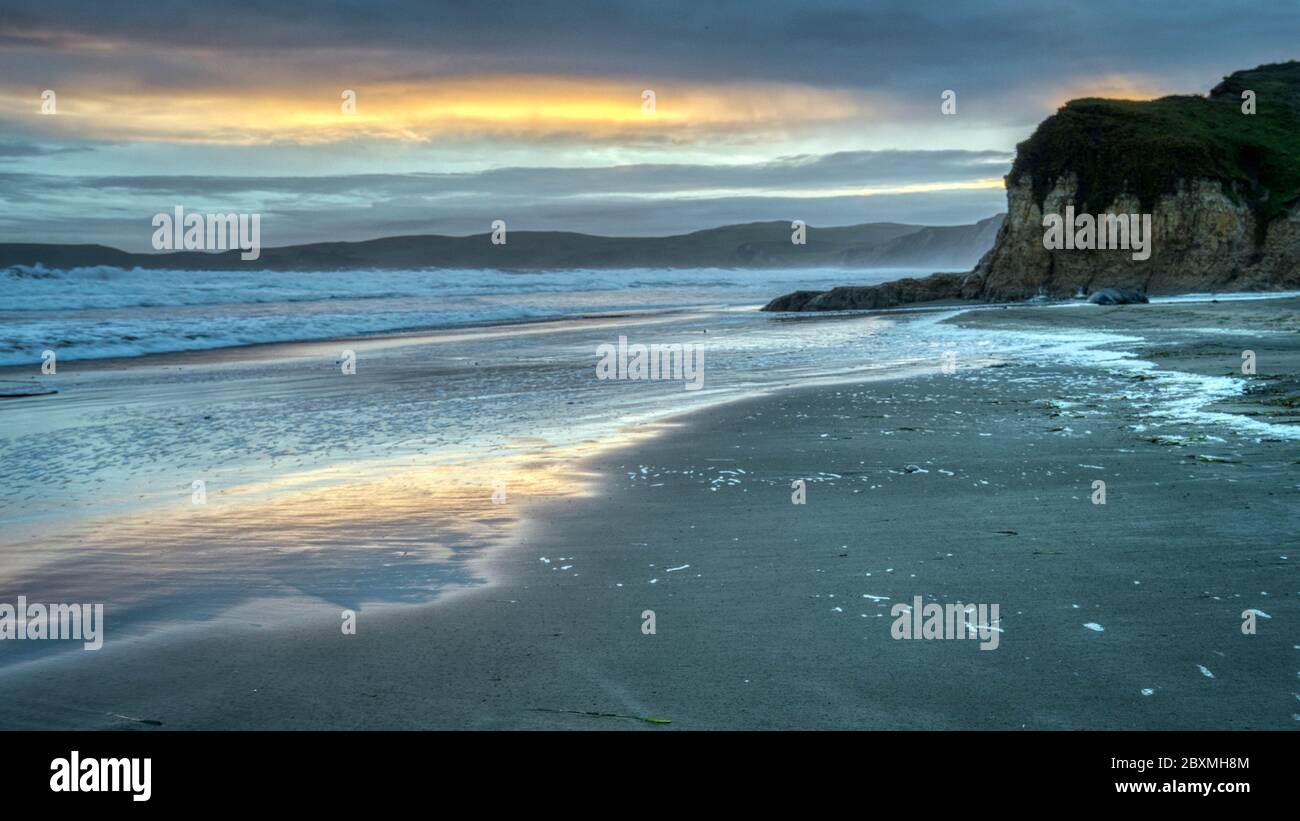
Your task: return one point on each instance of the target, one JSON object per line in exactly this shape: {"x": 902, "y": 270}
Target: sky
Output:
{"x": 535, "y": 112}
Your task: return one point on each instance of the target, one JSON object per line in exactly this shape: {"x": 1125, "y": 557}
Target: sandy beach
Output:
{"x": 975, "y": 486}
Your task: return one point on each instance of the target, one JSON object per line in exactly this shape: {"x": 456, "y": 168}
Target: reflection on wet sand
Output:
{"x": 373, "y": 534}
{"x": 326, "y": 491}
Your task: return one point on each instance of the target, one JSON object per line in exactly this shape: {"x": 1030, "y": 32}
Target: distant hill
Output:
{"x": 933, "y": 247}
{"x": 751, "y": 245}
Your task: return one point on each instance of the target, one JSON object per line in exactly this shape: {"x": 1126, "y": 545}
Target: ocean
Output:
{"x": 100, "y": 312}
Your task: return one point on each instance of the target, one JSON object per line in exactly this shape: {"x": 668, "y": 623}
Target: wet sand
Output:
{"x": 770, "y": 614}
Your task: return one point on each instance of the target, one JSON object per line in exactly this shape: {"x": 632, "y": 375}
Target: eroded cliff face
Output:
{"x": 1202, "y": 240}
{"x": 1218, "y": 176}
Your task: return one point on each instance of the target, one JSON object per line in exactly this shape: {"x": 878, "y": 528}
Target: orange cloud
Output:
{"x": 1112, "y": 86}
{"x": 424, "y": 111}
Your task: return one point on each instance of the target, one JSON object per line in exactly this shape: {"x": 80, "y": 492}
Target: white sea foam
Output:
{"x": 102, "y": 311}
{"x": 1165, "y": 396}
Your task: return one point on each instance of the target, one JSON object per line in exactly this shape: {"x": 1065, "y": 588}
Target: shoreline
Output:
{"x": 278, "y": 349}
{"x": 748, "y": 633}
{"x": 454, "y": 496}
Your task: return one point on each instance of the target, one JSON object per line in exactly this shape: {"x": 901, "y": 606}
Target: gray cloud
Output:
{"x": 612, "y": 216}
{"x": 899, "y": 46}
{"x": 15, "y": 149}
{"x": 999, "y": 54}
{"x": 842, "y": 169}
{"x": 643, "y": 199}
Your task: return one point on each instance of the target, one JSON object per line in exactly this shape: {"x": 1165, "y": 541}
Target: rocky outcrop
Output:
{"x": 1118, "y": 296}
{"x": 934, "y": 288}
{"x": 1220, "y": 183}
{"x": 1202, "y": 240}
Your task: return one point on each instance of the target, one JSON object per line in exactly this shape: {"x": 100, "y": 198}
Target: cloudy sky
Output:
{"x": 532, "y": 112}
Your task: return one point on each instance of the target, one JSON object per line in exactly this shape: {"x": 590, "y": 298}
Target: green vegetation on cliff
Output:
{"x": 1146, "y": 148}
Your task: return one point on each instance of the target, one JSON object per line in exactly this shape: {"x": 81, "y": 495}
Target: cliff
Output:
{"x": 1222, "y": 188}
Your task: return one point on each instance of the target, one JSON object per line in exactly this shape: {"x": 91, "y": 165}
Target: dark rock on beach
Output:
{"x": 1118, "y": 296}
{"x": 934, "y": 288}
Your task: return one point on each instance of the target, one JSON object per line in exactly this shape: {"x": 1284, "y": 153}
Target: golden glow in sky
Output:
{"x": 514, "y": 106}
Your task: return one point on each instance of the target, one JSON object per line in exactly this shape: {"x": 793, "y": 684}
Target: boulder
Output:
{"x": 1118, "y": 296}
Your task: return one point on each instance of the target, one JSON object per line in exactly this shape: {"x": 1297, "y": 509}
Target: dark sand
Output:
{"x": 768, "y": 627}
